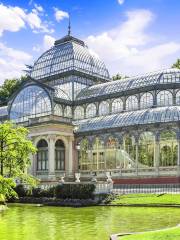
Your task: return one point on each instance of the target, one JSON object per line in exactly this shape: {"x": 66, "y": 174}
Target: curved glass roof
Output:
{"x": 147, "y": 116}
{"x": 68, "y": 54}
{"x": 160, "y": 77}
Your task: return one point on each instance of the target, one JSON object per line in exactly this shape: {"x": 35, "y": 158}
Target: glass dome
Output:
{"x": 68, "y": 54}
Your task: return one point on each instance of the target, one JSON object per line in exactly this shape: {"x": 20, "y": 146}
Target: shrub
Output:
{"x": 7, "y": 188}
{"x": 75, "y": 191}
{"x": 21, "y": 190}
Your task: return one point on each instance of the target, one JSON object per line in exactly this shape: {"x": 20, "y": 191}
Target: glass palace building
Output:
{"x": 82, "y": 121}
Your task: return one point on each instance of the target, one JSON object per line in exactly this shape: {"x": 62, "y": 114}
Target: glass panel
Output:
{"x": 32, "y": 101}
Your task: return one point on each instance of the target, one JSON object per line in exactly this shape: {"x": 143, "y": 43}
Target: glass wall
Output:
{"x": 164, "y": 98}
{"x": 58, "y": 110}
{"x": 32, "y": 101}
{"x": 117, "y": 105}
{"x": 79, "y": 112}
{"x": 68, "y": 112}
{"x": 146, "y": 100}
{"x": 91, "y": 110}
{"x": 146, "y": 149}
{"x": 103, "y": 108}
{"x": 168, "y": 149}
{"x": 132, "y": 103}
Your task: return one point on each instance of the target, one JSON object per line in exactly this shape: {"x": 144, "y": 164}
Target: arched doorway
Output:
{"x": 42, "y": 155}
{"x": 59, "y": 155}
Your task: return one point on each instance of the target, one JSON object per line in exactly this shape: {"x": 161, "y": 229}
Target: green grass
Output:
{"x": 166, "y": 234}
{"x": 147, "y": 199}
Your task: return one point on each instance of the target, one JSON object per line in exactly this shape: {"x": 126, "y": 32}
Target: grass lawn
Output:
{"x": 147, "y": 199}
{"x": 166, "y": 234}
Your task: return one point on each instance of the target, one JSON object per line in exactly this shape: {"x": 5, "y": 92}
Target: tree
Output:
{"x": 9, "y": 87}
{"x": 176, "y": 64}
{"x": 15, "y": 150}
{"x": 119, "y": 76}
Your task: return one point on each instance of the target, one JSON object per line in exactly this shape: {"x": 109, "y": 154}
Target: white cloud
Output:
{"x": 12, "y": 62}
{"x": 120, "y": 2}
{"x": 48, "y": 42}
{"x": 60, "y": 15}
{"x": 38, "y": 7}
{"x": 129, "y": 49}
{"x": 15, "y": 18}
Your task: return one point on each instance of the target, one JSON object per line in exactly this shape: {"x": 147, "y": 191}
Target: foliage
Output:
{"x": 74, "y": 191}
{"x": 176, "y": 64}
{"x": 21, "y": 190}
{"x": 6, "y": 188}
{"x": 119, "y": 76}
{"x": 9, "y": 87}
{"x": 147, "y": 199}
{"x": 15, "y": 149}
{"x": 164, "y": 234}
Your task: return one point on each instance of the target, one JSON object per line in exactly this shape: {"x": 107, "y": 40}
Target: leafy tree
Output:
{"x": 9, "y": 87}
{"x": 176, "y": 64}
{"x": 15, "y": 149}
{"x": 6, "y": 188}
{"x": 118, "y": 76}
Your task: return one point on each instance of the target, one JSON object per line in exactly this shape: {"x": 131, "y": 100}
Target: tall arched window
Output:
{"x": 168, "y": 149}
{"x": 32, "y": 101}
{"x": 42, "y": 155}
{"x": 58, "y": 110}
{"x": 79, "y": 112}
{"x": 131, "y": 103}
{"x": 146, "y": 100}
{"x": 59, "y": 155}
{"x": 164, "y": 98}
{"x": 178, "y": 98}
{"x": 68, "y": 112}
{"x": 91, "y": 110}
{"x": 117, "y": 105}
{"x": 103, "y": 108}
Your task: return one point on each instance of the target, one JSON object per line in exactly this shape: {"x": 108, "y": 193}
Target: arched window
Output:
{"x": 58, "y": 110}
{"x": 79, "y": 112}
{"x": 32, "y": 101}
{"x": 178, "y": 98}
{"x": 91, "y": 110}
{"x": 131, "y": 103}
{"x": 168, "y": 149}
{"x": 129, "y": 153}
{"x": 59, "y": 155}
{"x": 98, "y": 159}
{"x": 117, "y": 105}
{"x": 103, "y": 108}
{"x": 146, "y": 100}
{"x": 42, "y": 155}
{"x": 146, "y": 149}
{"x": 68, "y": 112}
{"x": 164, "y": 98}
{"x": 84, "y": 156}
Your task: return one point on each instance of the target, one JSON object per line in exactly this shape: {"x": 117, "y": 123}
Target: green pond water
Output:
{"x": 30, "y": 222}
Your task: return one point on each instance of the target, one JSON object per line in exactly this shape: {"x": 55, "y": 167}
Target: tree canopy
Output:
{"x": 119, "y": 76}
{"x": 9, "y": 87}
{"x": 15, "y": 151}
{"x": 176, "y": 64}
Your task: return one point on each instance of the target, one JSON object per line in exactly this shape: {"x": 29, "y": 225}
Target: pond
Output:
{"x": 30, "y": 222}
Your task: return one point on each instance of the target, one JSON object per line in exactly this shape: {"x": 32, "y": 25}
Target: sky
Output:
{"x": 132, "y": 37}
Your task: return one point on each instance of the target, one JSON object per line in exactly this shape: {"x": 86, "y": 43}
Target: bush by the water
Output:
{"x": 61, "y": 191}
{"x": 74, "y": 191}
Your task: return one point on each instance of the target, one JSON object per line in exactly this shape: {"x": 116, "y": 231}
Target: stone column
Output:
{"x": 157, "y": 152}
{"x": 69, "y": 155}
{"x": 137, "y": 156}
{"x": 51, "y": 156}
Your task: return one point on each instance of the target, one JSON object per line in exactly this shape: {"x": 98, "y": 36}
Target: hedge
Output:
{"x": 61, "y": 191}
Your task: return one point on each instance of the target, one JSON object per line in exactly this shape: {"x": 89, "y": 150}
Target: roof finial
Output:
{"x": 69, "y": 27}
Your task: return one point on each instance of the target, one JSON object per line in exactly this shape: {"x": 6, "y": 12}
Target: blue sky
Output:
{"x": 131, "y": 36}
